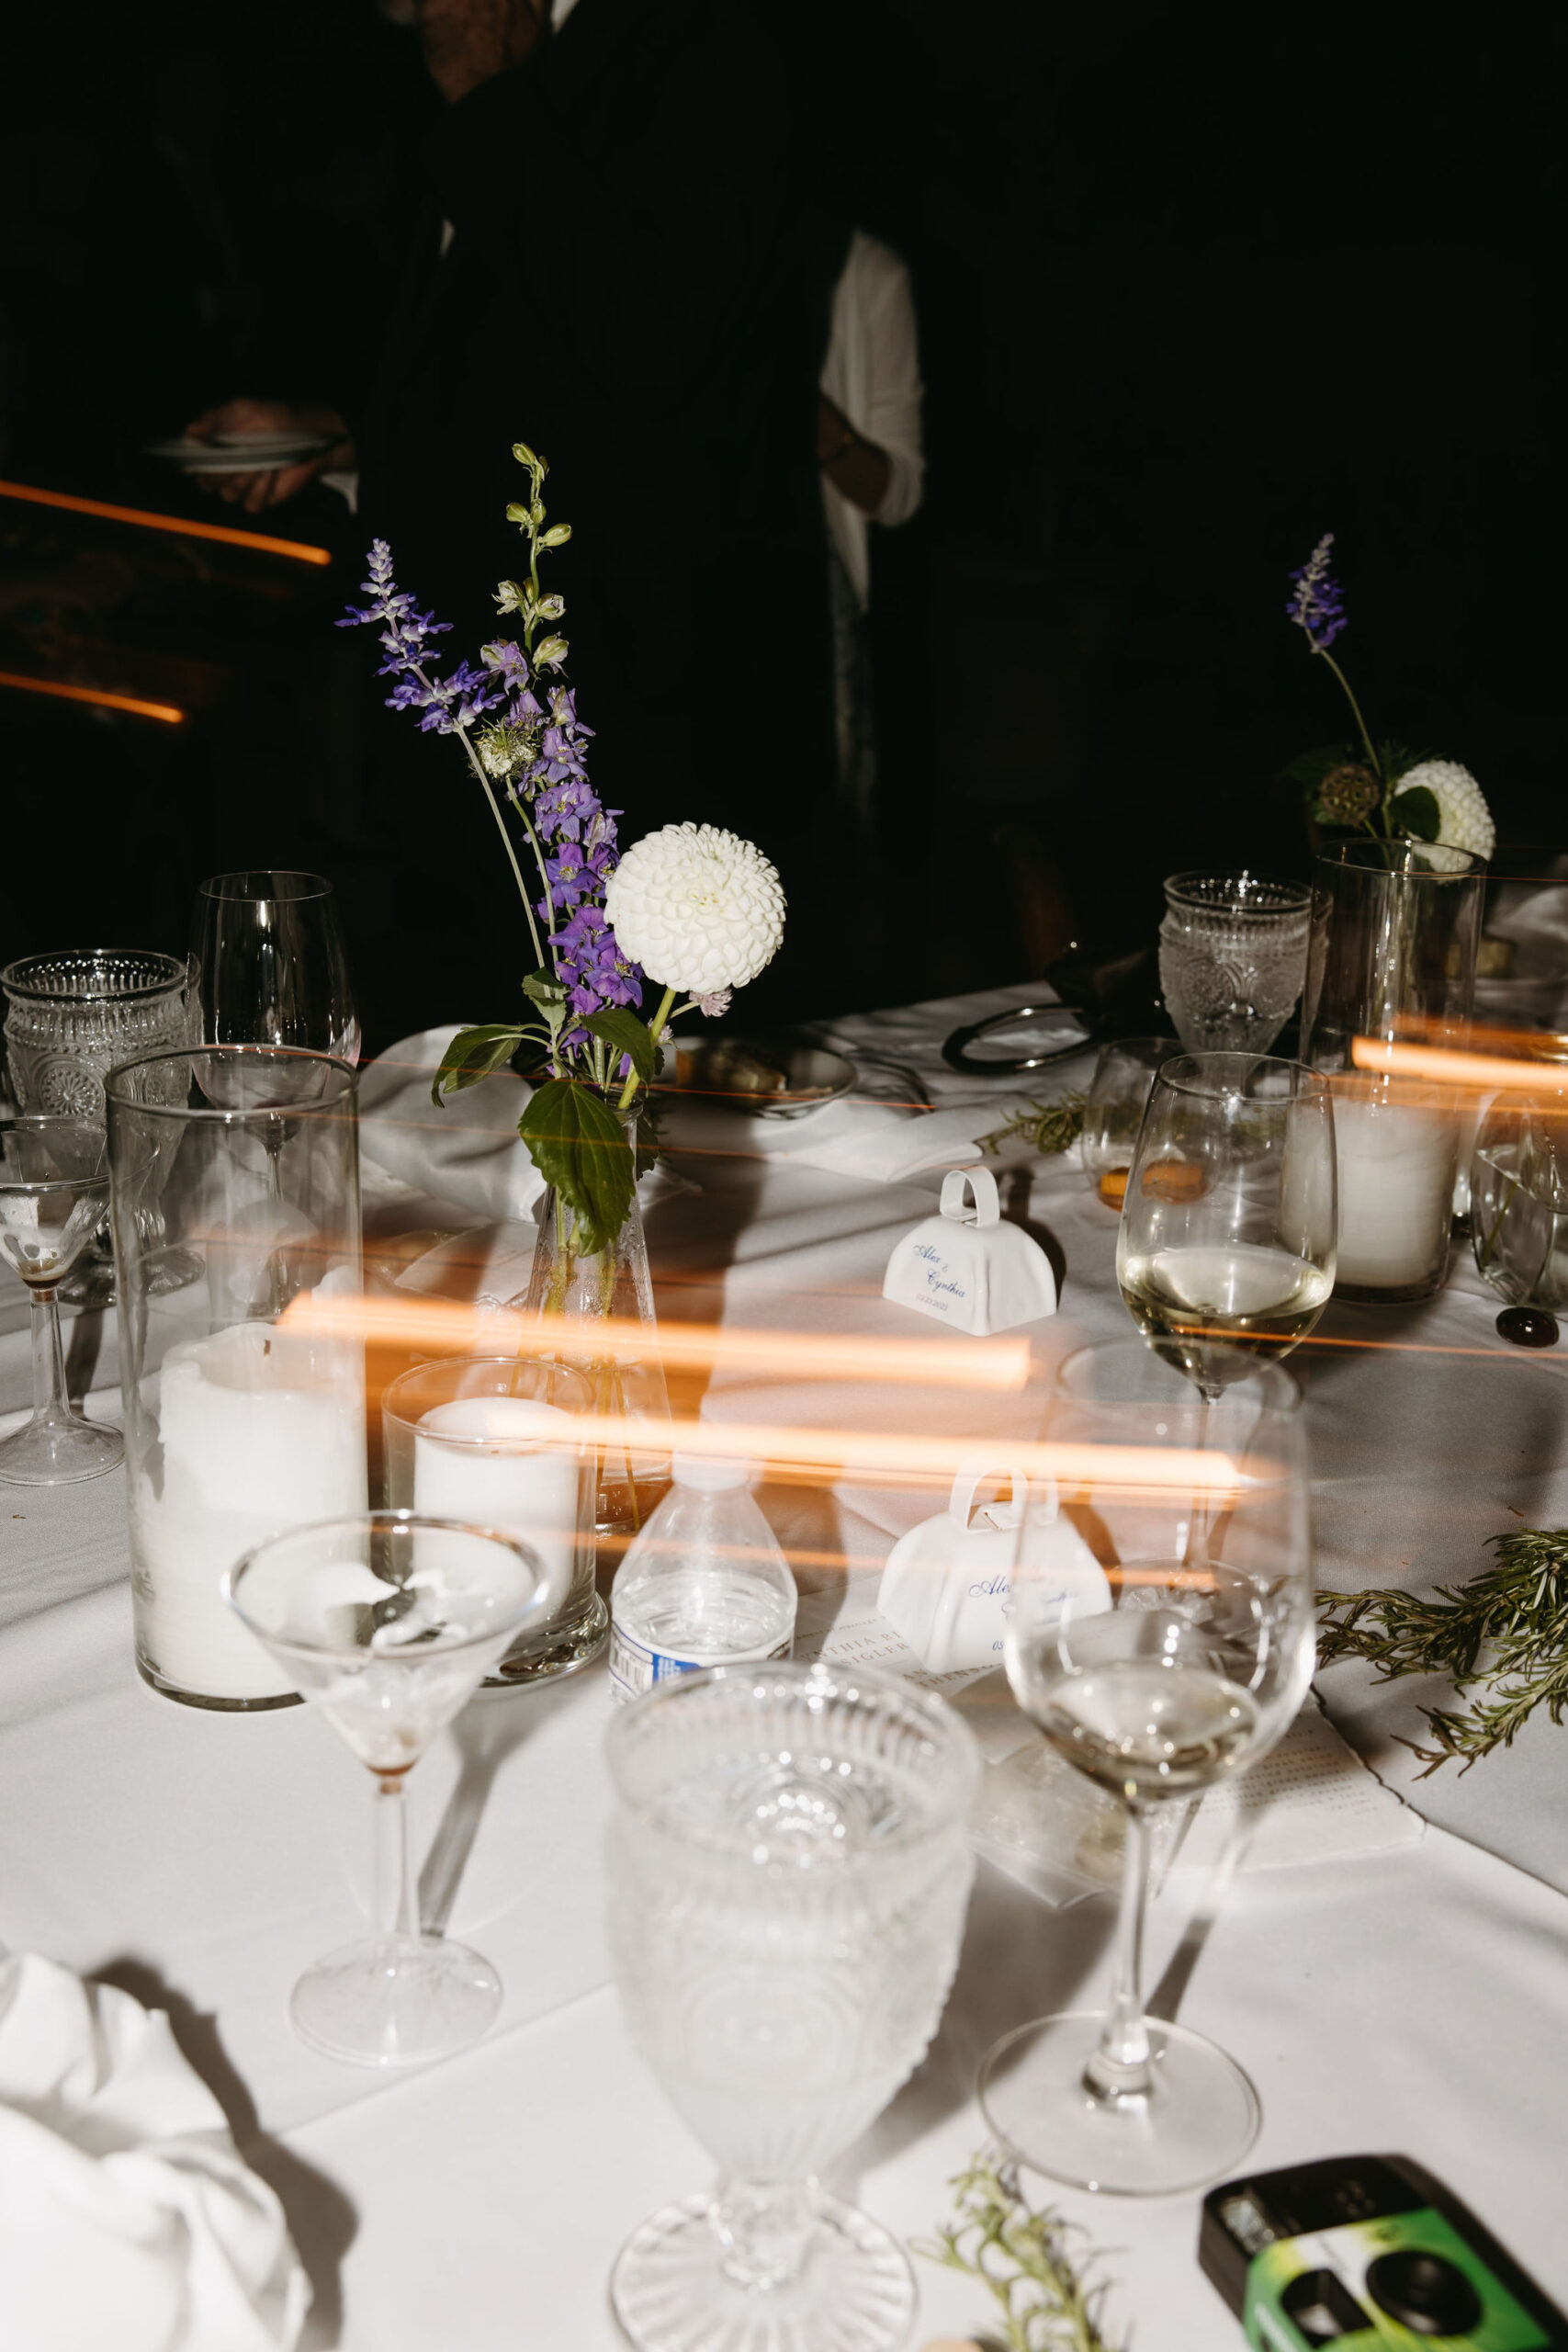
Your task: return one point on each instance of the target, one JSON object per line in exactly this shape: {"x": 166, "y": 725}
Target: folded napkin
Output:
{"x": 883, "y": 1142}
{"x": 127, "y": 2219}
{"x": 469, "y": 1151}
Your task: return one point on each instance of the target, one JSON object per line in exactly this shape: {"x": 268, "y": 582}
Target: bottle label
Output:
{"x": 634, "y": 1668}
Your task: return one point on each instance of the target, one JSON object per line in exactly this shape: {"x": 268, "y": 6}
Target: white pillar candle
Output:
{"x": 1396, "y": 1155}
{"x": 260, "y": 1430}
{"x": 489, "y": 1461}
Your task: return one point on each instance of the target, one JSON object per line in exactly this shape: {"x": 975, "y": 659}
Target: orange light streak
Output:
{"x": 255, "y": 540}
{"x": 447, "y": 1326}
{"x": 922, "y": 1458}
{"x": 168, "y": 711}
{"x": 1470, "y": 1072}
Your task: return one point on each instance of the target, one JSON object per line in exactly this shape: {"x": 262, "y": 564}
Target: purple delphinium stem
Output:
{"x": 1317, "y": 607}
{"x": 402, "y": 636}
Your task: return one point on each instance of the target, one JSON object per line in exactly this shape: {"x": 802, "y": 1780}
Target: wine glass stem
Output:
{"x": 50, "y": 1403}
{"x": 764, "y": 2228}
{"x": 1120, "y": 2068}
{"x": 1198, "y": 1529}
{"x": 395, "y": 1914}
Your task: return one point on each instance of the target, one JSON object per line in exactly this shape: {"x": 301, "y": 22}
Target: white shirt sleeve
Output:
{"x": 894, "y": 390}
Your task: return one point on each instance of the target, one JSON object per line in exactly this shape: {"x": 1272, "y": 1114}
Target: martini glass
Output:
{"x": 387, "y": 1623}
{"x": 55, "y": 1195}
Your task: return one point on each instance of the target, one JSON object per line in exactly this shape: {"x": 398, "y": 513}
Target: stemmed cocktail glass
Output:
{"x": 387, "y": 1623}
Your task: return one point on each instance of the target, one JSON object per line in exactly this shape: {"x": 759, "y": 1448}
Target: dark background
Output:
{"x": 1190, "y": 293}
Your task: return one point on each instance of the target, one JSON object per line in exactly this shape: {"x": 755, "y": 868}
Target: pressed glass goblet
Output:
{"x": 1192, "y": 1669}
{"x": 1233, "y": 951}
{"x": 274, "y": 968}
{"x": 72, "y": 1016}
{"x": 788, "y": 1875}
{"x": 55, "y": 1195}
{"x": 1113, "y": 1110}
{"x": 388, "y": 1622}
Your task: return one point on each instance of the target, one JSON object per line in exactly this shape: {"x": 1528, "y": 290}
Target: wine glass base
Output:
{"x": 1194, "y": 2126}
{"x": 854, "y": 2292}
{"x": 58, "y": 1450}
{"x": 561, "y": 1650}
{"x": 396, "y": 2001}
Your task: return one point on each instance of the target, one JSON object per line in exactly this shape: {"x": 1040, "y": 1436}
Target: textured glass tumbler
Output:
{"x": 1232, "y": 954}
{"x": 788, "y": 1871}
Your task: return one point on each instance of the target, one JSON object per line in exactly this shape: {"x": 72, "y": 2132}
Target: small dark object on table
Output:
{"x": 1528, "y": 1326}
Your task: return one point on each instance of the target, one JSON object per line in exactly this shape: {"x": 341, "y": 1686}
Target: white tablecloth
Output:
{"x": 1407, "y": 2001}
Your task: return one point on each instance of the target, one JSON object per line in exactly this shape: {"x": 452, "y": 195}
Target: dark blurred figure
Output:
{"x": 631, "y": 230}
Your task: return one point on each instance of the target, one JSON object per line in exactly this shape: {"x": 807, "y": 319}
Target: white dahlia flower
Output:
{"x": 698, "y": 909}
{"x": 1464, "y": 821}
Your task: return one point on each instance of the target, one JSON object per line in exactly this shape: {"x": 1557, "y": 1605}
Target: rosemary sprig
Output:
{"x": 1044, "y": 1126}
{"x": 1515, "y": 1616}
{"x": 1024, "y": 2258}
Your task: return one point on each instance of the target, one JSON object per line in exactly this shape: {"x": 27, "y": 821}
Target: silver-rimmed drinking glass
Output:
{"x": 1233, "y": 951}
{"x": 274, "y": 967}
{"x": 788, "y": 1874}
{"x": 70, "y": 1016}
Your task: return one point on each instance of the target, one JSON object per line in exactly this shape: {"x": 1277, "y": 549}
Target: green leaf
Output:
{"x": 473, "y": 1055}
{"x": 628, "y": 1035}
{"x": 578, "y": 1144}
{"x": 1416, "y": 813}
{"x": 1310, "y": 767}
{"x": 544, "y": 987}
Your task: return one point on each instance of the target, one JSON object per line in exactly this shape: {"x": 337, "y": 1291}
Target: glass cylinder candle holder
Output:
{"x": 1113, "y": 1110}
{"x": 235, "y": 1182}
{"x": 505, "y": 1442}
{"x": 1395, "y": 926}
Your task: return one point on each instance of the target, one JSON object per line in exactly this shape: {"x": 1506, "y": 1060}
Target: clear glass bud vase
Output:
{"x": 611, "y": 1286}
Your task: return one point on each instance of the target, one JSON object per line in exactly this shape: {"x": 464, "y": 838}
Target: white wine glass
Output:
{"x": 789, "y": 1871}
{"x": 1226, "y": 1248}
{"x": 54, "y": 1196}
{"x": 1182, "y": 1672}
{"x": 274, "y": 967}
{"x": 388, "y": 1622}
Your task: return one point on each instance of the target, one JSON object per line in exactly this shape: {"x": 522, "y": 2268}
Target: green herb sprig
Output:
{"x": 1507, "y": 1630}
{"x": 1024, "y": 2256}
{"x": 1044, "y": 1126}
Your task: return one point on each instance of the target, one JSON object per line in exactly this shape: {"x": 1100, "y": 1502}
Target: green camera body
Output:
{"x": 1368, "y": 2254}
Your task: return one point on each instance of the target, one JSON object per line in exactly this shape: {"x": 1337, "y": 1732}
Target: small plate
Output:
{"x": 763, "y": 1077}
{"x": 242, "y": 453}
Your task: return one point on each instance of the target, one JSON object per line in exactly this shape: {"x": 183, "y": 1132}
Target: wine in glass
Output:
{"x": 1192, "y": 1669}
{"x": 387, "y": 1623}
{"x": 789, "y": 1872}
{"x": 54, "y": 1196}
{"x": 273, "y": 969}
{"x": 1226, "y": 1252}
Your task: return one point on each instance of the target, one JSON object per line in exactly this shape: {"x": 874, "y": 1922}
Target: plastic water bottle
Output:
{"x": 704, "y": 1584}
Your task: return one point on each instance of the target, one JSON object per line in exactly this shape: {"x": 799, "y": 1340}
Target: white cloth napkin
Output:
{"x": 884, "y": 1143}
{"x": 127, "y": 2219}
{"x": 469, "y": 1151}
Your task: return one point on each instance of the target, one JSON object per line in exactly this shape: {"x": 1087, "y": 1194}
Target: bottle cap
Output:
{"x": 712, "y": 1473}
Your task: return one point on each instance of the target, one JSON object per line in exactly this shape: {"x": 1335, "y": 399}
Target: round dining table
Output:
{"x": 1402, "y": 1991}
